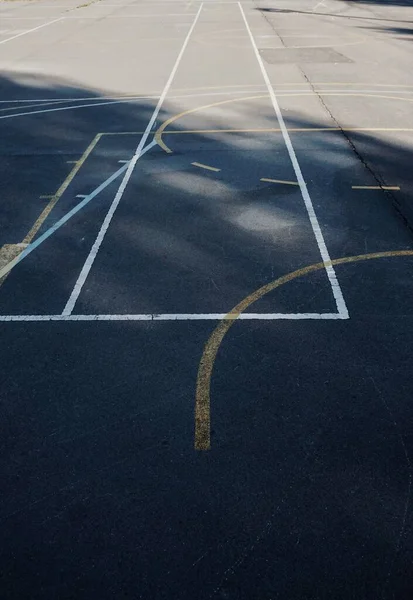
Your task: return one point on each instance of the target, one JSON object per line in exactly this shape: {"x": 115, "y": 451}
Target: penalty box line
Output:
{"x": 176, "y": 317}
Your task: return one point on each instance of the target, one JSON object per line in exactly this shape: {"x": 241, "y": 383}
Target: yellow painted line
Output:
{"x": 9, "y": 252}
{"x": 392, "y": 188}
{"x": 122, "y": 133}
{"x": 362, "y": 96}
{"x": 279, "y": 181}
{"x": 206, "y": 365}
{"x": 207, "y": 167}
{"x": 161, "y": 130}
{"x": 56, "y": 197}
{"x": 255, "y": 130}
{"x": 278, "y": 130}
{"x": 196, "y": 131}
{"x": 165, "y": 124}
{"x": 401, "y": 85}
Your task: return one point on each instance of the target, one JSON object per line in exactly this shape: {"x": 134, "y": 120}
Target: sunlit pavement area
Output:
{"x": 206, "y": 326}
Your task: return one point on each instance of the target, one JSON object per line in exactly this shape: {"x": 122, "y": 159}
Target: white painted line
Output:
{"x": 81, "y": 196}
{"x": 32, "y": 246}
{"x": 7, "y": 268}
{"x": 123, "y": 101}
{"x": 38, "y": 112}
{"x": 133, "y": 98}
{"x": 31, "y": 30}
{"x": 62, "y": 100}
{"x": 22, "y": 18}
{"x": 154, "y": 16}
{"x": 123, "y": 161}
{"x": 321, "y": 3}
{"x": 130, "y": 168}
{"x": 335, "y": 286}
{"x": 178, "y": 317}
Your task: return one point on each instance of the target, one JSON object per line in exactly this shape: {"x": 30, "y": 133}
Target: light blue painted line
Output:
{"x": 7, "y": 268}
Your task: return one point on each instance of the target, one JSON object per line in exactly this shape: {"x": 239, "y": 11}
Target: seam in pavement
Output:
{"x": 407, "y": 220}
{"x": 394, "y": 201}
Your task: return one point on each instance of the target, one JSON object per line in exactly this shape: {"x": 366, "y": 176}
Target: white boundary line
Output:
{"x": 321, "y": 3}
{"x": 140, "y": 97}
{"x": 335, "y": 286}
{"x": 177, "y": 317}
{"x": 341, "y": 93}
{"x": 95, "y": 248}
{"x": 22, "y": 18}
{"x": 114, "y": 101}
{"x": 31, "y": 30}
{"x": 89, "y": 105}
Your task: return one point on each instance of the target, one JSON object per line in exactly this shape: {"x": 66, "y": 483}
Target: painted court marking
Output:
{"x": 54, "y": 199}
{"x": 128, "y": 99}
{"x": 161, "y": 131}
{"x": 207, "y": 167}
{"x": 335, "y": 286}
{"x": 280, "y": 88}
{"x": 266, "y": 180}
{"x": 31, "y": 30}
{"x": 206, "y": 365}
{"x": 389, "y": 188}
{"x": 49, "y": 232}
{"x": 174, "y": 317}
{"x": 130, "y": 168}
{"x": 24, "y": 248}
{"x": 120, "y": 171}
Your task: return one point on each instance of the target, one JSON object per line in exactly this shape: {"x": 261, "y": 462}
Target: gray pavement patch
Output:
{"x": 302, "y": 55}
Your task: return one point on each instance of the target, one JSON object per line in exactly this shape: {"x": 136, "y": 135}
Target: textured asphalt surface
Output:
{"x": 305, "y": 492}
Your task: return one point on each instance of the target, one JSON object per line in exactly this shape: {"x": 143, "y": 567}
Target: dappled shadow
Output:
{"x": 104, "y": 495}
{"x": 398, "y": 32}
{"x": 390, "y": 3}
{"x": 322, "y": 13}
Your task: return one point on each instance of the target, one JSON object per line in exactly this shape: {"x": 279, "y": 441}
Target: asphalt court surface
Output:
{"x": 205, "y": 314}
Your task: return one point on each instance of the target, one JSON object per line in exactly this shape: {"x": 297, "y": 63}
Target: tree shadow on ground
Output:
{"x": 103, "y": 494}
{"x": 332, "y": 14}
